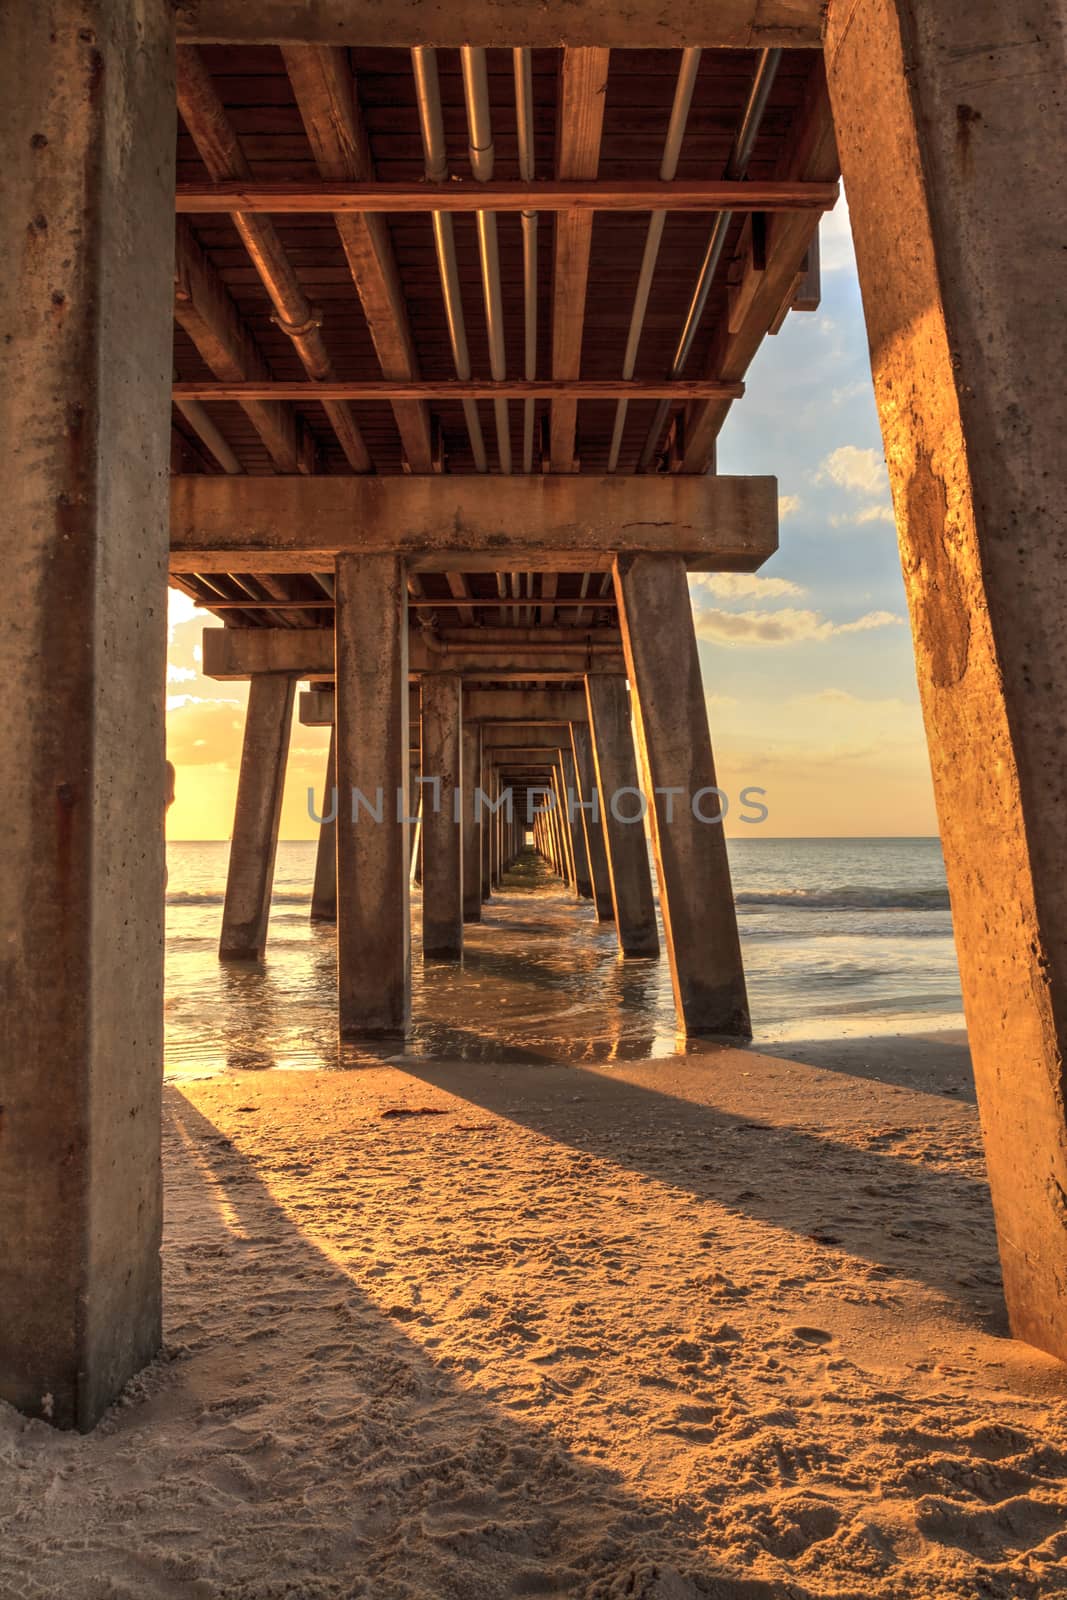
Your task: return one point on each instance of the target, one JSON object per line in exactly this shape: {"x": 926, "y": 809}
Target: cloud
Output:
{"x": 180, "y": 608}
{"x": 835, "y": 240}
{"x": 788, "y": 626}
{"x": 788, "y": 505}
{"x": 862, "y": 471}
{"x": 181, "y": 674}
{"x": 853, "y": 519}
{"x": 743, "y": 586}
{"x": 850, "y": 391}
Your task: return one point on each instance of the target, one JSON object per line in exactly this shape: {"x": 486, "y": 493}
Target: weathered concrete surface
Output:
{"x": 561, "y": 828}
{"x": 641, "y": 24}
{"x": 308, "y": 652}
{"x": 951, "y": 128}
{"x": 316, "y": 707}
{"x": 592, "y": 825}
{"x": 547, "y": 737}
{"x": 486, "y": 831}
{"x": 373, "y": 919}
{"x": 583, "y": 882}
{"x": 472, "y": 824}
{"x": 531, "y": 706}
{"x": 87, "y": 138}
{"x": 617, "y": 782}
{"x": 260, "y": 786}
{"x": 469, "y": 524}
{"x": 442, "y": 837}
{"x": 324, "y": 888}
{"x": 674, "y": 750}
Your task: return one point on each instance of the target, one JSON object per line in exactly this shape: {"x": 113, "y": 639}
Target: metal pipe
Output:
{"x": 207, "y": 432}
{"x": 482, "y": 154}
{"x": 683, "y": 100}
{"x": 736, "y": 166}
{"x": 522, "y": 59}
{"x": 428, "y": 98}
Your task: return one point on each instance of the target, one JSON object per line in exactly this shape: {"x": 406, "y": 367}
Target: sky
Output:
{"x": 807, "y": 665}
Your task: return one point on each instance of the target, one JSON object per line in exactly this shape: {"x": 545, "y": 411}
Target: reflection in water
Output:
{"x": 541, "y": 980}
{"x": 839, "y": 937}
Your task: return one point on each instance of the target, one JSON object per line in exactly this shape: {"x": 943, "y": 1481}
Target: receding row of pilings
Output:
{"x": 449, "y": 805}
{"x": 945, "y": 117}
{"x": 480, "y": 768}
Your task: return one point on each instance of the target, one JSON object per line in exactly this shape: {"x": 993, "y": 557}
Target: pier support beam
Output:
{"x": 324, "y": 891}
{"x": 592, "y": 820}
{"x": 582, "y": 881}
{"x": 956, "y": 199}
{"x": 472, "y": 824}
{"x": 373, "y": 917}
{"x": 87, "y": 144}
{"x": 620, "y": 797}
{"x": 674, "y": 746}
{"x": 260, "y": 786}
{"x": 442, "y": 836}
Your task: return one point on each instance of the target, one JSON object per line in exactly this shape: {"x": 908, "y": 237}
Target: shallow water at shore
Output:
{"x": 841, "y": 938}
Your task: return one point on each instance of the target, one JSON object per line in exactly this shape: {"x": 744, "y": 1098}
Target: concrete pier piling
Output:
{"x": 250, "y": 876}
{"x": 956, "y": 199}
{"x": 87, "y": 125}
{"x": 685, "y": 808}
{"x": 592, "y": 820}
{"x": 324, "y": 888}
{"x": 624, "y": 832}
{"x": 373, "y": 920}
{"x": 442, "y": 834}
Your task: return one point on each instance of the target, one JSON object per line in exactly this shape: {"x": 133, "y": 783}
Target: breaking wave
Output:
{"x": 862, "y": 897}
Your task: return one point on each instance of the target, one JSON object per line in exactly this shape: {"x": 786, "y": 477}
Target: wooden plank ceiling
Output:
{"x": 300, "y": 296}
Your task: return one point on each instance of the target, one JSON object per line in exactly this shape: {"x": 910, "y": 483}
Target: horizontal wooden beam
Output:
{"x": 682, "y": 389}
{"x": 309, "y": 653}
{"x": 570, "y": 523}
{"x": 640, "y": 24}
{"x": 549, "y": 194}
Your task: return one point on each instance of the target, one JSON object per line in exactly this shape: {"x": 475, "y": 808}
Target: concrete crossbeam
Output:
{"x": 470, "y": 524}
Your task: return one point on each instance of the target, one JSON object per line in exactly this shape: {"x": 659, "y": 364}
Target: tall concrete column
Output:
{"x": 260, "y": 786}
{"x": 570, "y": 838}
{"x": 442, "y": 875}
{"x": 571, "y": 799}
{"x": 324, "y": 890}
{"x": 373, "y": 916}
{"x": 416, "y": 807}
{"x": 950, "y": 124}
{"x": 616, "y": 777}
{"x": 592, "y": 820}
{"x": 487, "y": 831}
{"x": 87, "y": 145}
{"x": 674, "y": 748}
{"x": 472, "y": 824}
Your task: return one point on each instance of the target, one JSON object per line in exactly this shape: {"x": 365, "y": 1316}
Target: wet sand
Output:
{"x": 725, "y": 1323}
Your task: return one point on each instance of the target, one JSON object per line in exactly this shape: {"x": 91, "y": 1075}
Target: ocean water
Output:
{"x": 840, "y": 937}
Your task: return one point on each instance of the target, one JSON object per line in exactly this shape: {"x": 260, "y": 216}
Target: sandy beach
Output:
{"x": 725, "y": 1324}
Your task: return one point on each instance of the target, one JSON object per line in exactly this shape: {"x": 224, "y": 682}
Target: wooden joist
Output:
{"x": 476, "y": 389}
{"x": 325, "y": 93}
{"x": 470, "y": 523}
{"x": 811, "y": 157}
{"x": 582, "y": 197}
{"x": 220, "y": 150}
{"x": 204, "y": 309}
{"x": 582, "y": 89}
